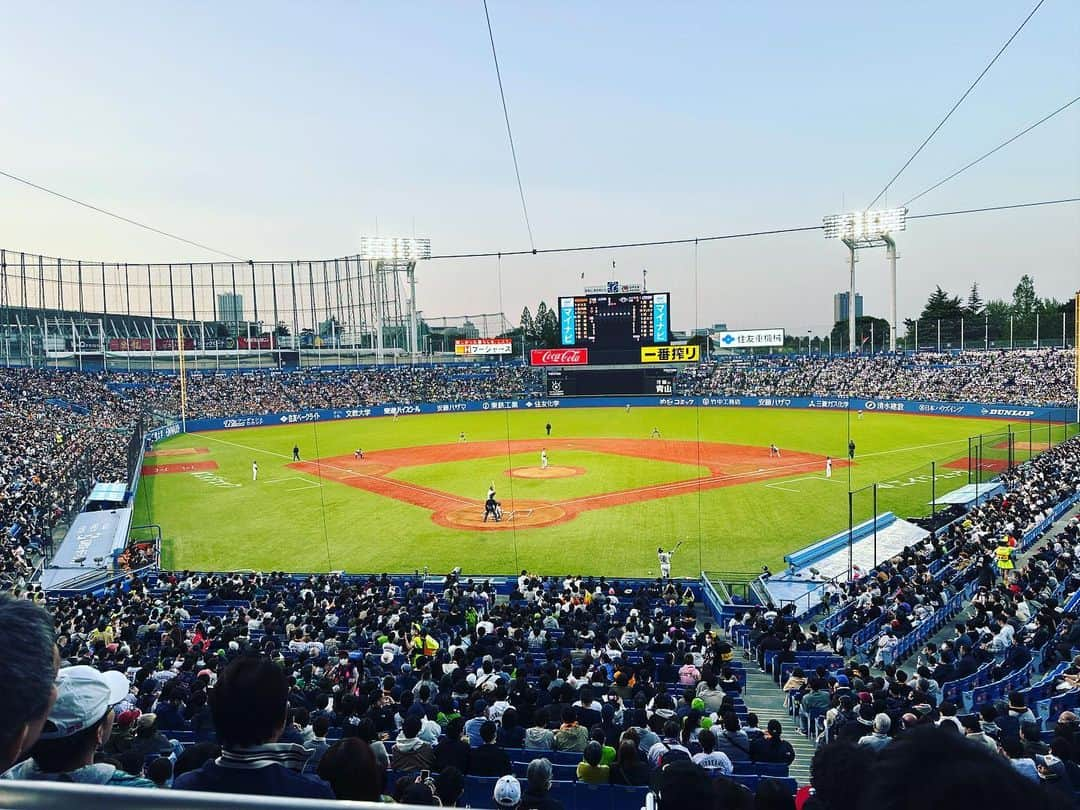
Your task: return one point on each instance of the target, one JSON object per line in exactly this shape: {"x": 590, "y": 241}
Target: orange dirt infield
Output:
{"x": 179, "y": 451}
{"x": 991, "y": 464}
{"x": 545, "y": 472}
{"x": 180, "y": 467}
{"x": 728, "y": 465}
{"x": 1020, "y": 443}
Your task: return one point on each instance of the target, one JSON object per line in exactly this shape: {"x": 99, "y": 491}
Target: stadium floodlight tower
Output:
{"x": 866, "y": 229}
{"x": 389, "y": 256}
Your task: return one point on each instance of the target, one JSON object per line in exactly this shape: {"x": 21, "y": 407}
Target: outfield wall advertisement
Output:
{"x": 1005, "y": 412}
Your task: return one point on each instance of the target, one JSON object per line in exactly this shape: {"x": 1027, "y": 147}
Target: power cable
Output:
{"x": 1019, "y": 134}
{"x": 120, "y": 217}
{"x": 509, "y": 131}
{"x": 995, "y": 208}
{"x": 960, "y": 101}
{"x": 739, "y": 235}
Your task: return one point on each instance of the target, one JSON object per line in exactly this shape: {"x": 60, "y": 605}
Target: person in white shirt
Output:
{"x": 254, "y": 471}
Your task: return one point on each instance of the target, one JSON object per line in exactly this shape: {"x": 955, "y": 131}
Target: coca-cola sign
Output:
{"x": 559, "y": 357}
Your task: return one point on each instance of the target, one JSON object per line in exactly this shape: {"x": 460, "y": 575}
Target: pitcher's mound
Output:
{"x": 523, "y": 515}
{"x": 550, "y": 472}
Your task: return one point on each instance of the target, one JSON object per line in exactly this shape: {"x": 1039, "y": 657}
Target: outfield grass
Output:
{"x": 288, "y": 521}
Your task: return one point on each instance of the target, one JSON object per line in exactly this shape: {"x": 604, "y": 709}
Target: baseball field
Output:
{"x": 384, "y": 494}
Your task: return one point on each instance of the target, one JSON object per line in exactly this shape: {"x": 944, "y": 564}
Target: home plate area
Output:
{"x": 727, "y": 465}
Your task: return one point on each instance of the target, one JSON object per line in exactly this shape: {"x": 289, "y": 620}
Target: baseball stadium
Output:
{"x": 273, "y": 533}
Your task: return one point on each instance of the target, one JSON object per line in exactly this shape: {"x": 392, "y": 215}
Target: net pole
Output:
{"x": 183, "y": 377}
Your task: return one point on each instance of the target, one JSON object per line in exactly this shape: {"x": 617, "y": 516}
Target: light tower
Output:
{"x": 388, "y": 256}
{"x": 865, "y": 229}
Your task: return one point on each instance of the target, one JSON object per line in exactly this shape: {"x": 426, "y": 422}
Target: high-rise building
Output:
{"x": 230, "y": 307}
{"x": 840, "y": 306}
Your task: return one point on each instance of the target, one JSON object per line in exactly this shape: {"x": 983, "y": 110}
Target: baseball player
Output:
{"x": 656, "y": 433}
{"x": 491, "y": 507}
{"x": 295, "y": 452}
{"x": 664, "y": 558}
{"x": 254, "y": 471}
{"x": 828, "y": 467}
{"x": 543, "y": 459}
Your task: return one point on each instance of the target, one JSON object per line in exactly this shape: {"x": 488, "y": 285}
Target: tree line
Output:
{"x": 1019, "y": 321}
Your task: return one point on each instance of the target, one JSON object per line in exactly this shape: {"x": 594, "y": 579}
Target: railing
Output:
{"x": 16, "y": 795}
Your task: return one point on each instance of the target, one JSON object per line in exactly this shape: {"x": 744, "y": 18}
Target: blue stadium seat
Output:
{"x": 592, "y": 797}
{"x": 479, "y": 790}
{"x": 565, "y": 791}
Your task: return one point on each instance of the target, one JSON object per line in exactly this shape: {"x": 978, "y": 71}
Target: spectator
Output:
{"x": 539, "y": 737}
{"x": 250, "y": 707}
{"x": 453, "y": 750}
{"x": 410, "y": 752}
{"x": 590, "y": 770}
{"x": 27, "y": 670}
{"x": 710, "y": 758}
{"x": 571, "y": 736}
{"x": 450, "y": 786}
{"x": 879, "y": 737}
{"x": 948, "y": 771}
{"x": 488, "y": 759}
{"x": 350, "y": 768}
{"x": 78, "y": 723}
{"x": 628, "y": 768}
{"x": 160, "y": 772}
{"x": 537, "y": 787}
{"x": 731, "y": 740}
{"x": 318, "y": 746}
{"x": 507, "y": 792}
{"x": 772, "y": 748}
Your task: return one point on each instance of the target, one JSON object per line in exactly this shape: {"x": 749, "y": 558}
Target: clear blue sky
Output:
{"x": 279, "y": 130}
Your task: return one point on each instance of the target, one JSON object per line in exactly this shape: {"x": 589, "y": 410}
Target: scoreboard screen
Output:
{"x": 615, "y": 320}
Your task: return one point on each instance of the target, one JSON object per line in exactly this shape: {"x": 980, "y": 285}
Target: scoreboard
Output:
{"x": 622, "y": 320}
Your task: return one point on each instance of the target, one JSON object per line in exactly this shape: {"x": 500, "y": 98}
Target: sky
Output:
{"x": 288, "y": 130}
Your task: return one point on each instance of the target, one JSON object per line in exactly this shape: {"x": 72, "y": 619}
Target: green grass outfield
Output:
{"x": 287, "y": 521}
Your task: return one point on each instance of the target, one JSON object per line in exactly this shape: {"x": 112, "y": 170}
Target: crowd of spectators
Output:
{"x": 49, "y": 452}
{"x": 1022, "y": 377}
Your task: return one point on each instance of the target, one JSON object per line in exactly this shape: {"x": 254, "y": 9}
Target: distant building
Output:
{"x": 840, "y": 306}
{"x": 230, "y": 307}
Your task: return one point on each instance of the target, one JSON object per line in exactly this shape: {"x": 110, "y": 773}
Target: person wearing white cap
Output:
{"x": 80, "y": 720}
{"x": 507, "y": 792}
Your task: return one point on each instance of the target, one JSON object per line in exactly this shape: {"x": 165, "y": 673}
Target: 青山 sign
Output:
{"x": 670, "y": 354}
{"x": 748, "y": 338}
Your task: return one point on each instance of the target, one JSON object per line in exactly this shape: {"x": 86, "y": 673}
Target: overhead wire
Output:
{"x": 737, "y": 235}
{"x": 954, "y": 107}
{"x": 509, "y": 130}
{"x": 120, "y": 217}
{"x": 997, "y": 148}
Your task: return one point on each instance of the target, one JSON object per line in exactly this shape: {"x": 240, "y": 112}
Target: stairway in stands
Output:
{"x": 764, "y": 698}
